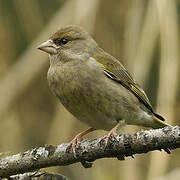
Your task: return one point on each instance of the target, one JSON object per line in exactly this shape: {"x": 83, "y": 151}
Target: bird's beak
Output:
{"x": 48, "y": 47}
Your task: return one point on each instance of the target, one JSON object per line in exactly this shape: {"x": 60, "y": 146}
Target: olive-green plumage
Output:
{"x": 93, "y": 85}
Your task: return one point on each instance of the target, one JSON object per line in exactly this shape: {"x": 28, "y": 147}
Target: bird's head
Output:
{"x": 69, "y": 42}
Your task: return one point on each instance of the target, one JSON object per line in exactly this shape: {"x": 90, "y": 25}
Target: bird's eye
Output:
{"x": 64, "y": 41}
{"x": 61, "y": 41}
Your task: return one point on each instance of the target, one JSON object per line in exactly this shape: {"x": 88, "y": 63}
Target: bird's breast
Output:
{"x": 90, "y": 96}
{"x": 79, "y": 88}
{"x": 74, "y": 83}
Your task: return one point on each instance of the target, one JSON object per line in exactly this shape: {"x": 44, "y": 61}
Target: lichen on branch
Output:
{"x": 121, "y": 146}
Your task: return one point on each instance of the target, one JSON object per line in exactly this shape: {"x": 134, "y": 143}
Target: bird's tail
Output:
{"x": 158, "y": 123}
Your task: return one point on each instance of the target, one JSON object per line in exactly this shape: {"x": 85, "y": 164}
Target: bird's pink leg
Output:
{"x": 77, "y": 139}
{"x": 112, "y": 133}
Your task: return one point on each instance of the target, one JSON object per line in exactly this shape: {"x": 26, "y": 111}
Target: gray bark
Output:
{"x": 121, "y": 146}
{"x": 37, "y": 176}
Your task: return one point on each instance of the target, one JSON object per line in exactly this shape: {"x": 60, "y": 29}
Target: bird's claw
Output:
{"x": 74, "y": 144}
{"x": 111, "y": 133}
{"x": 107, "y": 137}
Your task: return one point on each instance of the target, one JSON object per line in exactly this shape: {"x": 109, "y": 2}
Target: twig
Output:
{"x": 37, "y": 176}
{"x": 90, "y": 150}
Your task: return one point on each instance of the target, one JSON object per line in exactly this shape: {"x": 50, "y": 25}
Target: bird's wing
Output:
{"x": 116, "y": 71}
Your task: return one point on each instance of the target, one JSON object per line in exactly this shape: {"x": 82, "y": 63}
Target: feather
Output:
{"x": 114, "y": 70}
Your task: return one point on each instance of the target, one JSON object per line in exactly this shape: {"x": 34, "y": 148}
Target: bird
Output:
{"x": 94, "y": 86}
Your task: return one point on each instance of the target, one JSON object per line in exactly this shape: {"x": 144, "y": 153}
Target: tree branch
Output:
{"x": 90, "y": 150}
{"x": 37, "y": 176}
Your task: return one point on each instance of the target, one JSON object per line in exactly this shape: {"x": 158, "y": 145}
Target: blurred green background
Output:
{"x": 142, "y": 34}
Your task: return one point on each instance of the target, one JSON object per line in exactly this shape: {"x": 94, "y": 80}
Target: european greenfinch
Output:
{"x": 94, "y": 86}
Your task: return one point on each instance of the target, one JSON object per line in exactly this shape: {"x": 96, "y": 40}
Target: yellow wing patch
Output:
{"x": 139, "y": 92}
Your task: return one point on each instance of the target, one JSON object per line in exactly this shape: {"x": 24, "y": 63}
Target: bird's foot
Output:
{"x": 107, "y": 137}
{"x": 76, "y": 141}
{"x": 111, "y": 133}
